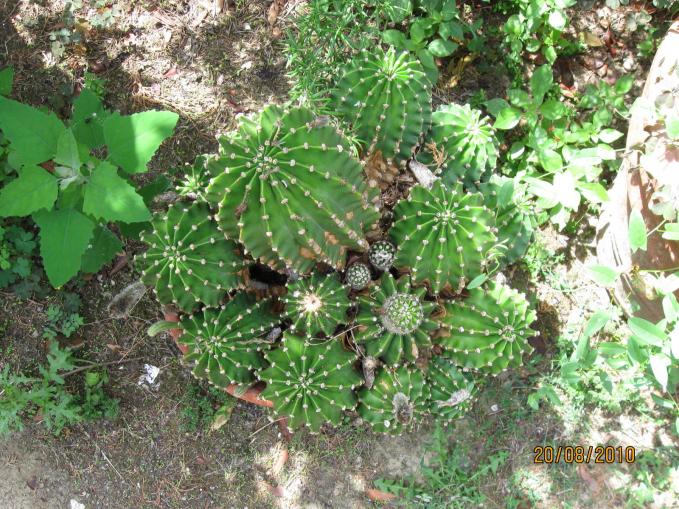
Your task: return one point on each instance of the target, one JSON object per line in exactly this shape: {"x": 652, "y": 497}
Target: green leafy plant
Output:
{"x": 18, "y": 271}
{"x": 278, "y": 168}
{"x": 71, "y": 193}
{"x": 61, "y": 321}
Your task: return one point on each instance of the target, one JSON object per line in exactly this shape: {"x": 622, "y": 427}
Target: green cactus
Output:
{"x": 316, "y": 304}
{"x": 461, "y": 145}
{"x": 514, "y": 217}
{"x": 225, "y": 342}
{"x": 489, "y": 330}
{"x": 310, "y": 383}
{"x": 397, "y": 400}
{"x": 394, "y": 322}
{"x": 452, "y": 392}
{"x": 290, "y": 191}
{"x": 445, "y": 237}
{"x": 387, "y": 99}
{"x": 189, "y": 261}
{"x": 382, "y": 254}
{"x": 358, "y": 276}
{"x": 195, "y": 180}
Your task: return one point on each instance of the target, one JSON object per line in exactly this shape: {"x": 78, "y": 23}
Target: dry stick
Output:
{"x": 105, "y": 457}
{"x": 100, "y": 365}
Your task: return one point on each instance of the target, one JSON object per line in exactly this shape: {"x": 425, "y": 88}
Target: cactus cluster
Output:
{"x": 189, "y": 261}
{"x": 488, "y": 331}
{"x": 290, "y": 191}
{"x": 310, "y": 384}
{"x": 316, "y": 305}
{"x": 386, "y": 97}
{"x": 444, "y": 237}
{"x": 461, "y": 145}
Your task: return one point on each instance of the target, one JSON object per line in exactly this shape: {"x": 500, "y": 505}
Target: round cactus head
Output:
{"x": 195, "y": 180}
{"x": 225, "y": 342}
{"x": 386, "y": 96}
{"x": 189, "y": 261}
{"x": 394, "y": 322}
{"x": 489, "y": 330}
{"x": 396, "y": 402}
{"x": 452, "y": 391}
{"x": 382, "y": 254}
{"x": 461, "y": 145}
{"x": 310, "y": 384}
{"x": 444, "y": 236}
{"x": 358, "y": 276}
{"x": 290, "y": 191}
{"x": 317, "y": 304}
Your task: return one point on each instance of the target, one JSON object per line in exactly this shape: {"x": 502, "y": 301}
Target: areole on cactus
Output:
{"x": 444, "y": 237}
{"x": 290, "y": 191}
{"x": 386, "y": 96}
{"x": 225, "y": 343}
{"x": 394, "y": 322}
{"x": 189, "y": 261}
{"x": 397, "y": 400}
{"x": 488, "y": 331}
{"x": 310, "y": 383}
{"x": 316, "y": 304}
{"x": 452, "y": 391}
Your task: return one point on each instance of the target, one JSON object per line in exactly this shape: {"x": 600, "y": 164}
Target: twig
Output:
{"x": 105, "y": 457}
{"x": 100, "y": 365}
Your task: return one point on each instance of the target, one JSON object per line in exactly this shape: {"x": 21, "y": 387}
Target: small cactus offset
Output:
{"x": 290, "y": 191}
{"x": 514, "y": 217}
{"x": 488, "y": 331}
{"x": 382, "y": 254}
{"x": 357, "y": 276}
{"x": 452, "y": 391}
{"x": 316, "y": 304}
{"x": 394, "y": 322}
{"x": 225, "y": 343}
{"x": 397, "y": 400}
{"x": 461, "y": 145}
{"x": 445, "y": 237}
{"x": 189, "y": 261}
{"x": 195, "y": 181}
{"x": 310, "y": 384}
{"x": 386, "y": 96}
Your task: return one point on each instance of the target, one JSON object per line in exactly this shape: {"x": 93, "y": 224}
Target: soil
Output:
{"x": 179, "y": 55}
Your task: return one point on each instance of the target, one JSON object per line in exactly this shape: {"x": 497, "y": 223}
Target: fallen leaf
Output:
{"x": 281, "y": 460}
{"x": 274, "y": 10}
{"x": 172, "y": 71}
{"x": 379, "y": 495}
{"x": 592, "y": 40}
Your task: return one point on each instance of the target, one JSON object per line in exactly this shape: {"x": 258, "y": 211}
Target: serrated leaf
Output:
{"x": 6, "y": 80}
{"x": 638, "y": 237}
{"x": 32, "y": 133}
{"x": 33, "y": 190}
{"x": 540, "y": 82}
{"x": 67, "y": 150}
{"x": 133, "y": 140}
{"x": 646, "y": 332}
{"x": 102, "y": 249}
{"x": 64, "y": 237}
{"x": 108, "y": 196}
{"x": 603, "y": 275}
{"x": 507, "y": 118}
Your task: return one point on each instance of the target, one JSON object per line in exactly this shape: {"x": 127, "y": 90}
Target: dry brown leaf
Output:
{"x": 592, "y": 40}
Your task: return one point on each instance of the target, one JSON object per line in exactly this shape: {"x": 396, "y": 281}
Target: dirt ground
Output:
{"x": 178, "y": 55}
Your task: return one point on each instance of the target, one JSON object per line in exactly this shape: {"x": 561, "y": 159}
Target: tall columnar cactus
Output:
{"x": 394, "y": 322}
{"x": 452, "y": 391}
{"x": 489, "y": 330}
{"x": 289, "y": 190}
{"x": 225, "y": 343}
{"x": 461, "y": 145}
{"x": 514, "y": 217}
{"x": 310, "y": 384}
{"x": 396, "y": 401}
{"x": 189, "y": 261}
{"x": 386, "y": 96}
{"x": 317, "y": 304}
{"x": 445, "y": 237}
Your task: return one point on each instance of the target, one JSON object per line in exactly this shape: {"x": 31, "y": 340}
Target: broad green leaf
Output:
{"x": 442, "y": 48}
{"x": 635, "y": 352}
{"x": 398, "y": 10}
{"x": 592, "y": 191}
{"x": 518, "y": 97}
{"x": 543, "y": 190}
{"x": 110, "y": 197}
{"x": 624, "y": 84}
{"x": 603, "y": 275}
{"x": 540, "y": 82}
{"x": 674, "y": 342}
{"x": 496, "y": 105}
{"x": 516, "y": 150}
{"x": 609, "y": 349}
{"x": 477, "y": 281}
{"x": 429, "y": 64}
{"x": 64, "y": 237}
{"x": 637, "y": 231}
{"x": 67, "y": 150}
{"x": 88, "y": 117}
{"x": 6, "y": 80}
{"x": 553, "y": 109}
{"x": 671, "y": 231}
{"x": 133, "y": 140}
{"x": 32, "y": 133}
{"x": 102, "y": 248}
{"x": 568, "y": 195}
{"x": 596, "y": 322}
{"x": 394, "y": 37}
{"x": 451, "y": 29}
{"x": 507, "y": 118}
{"x": 34, "y": 189}
{"x": 557, "y": 20}
{"x": 659, "y": 364}
{"x": 646, "y": 332}
{"x": 418, "y": 30}
{"x": 550, "y": 160}
{"x": 672, "y": 127}
{"x": 610, "y": 135}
